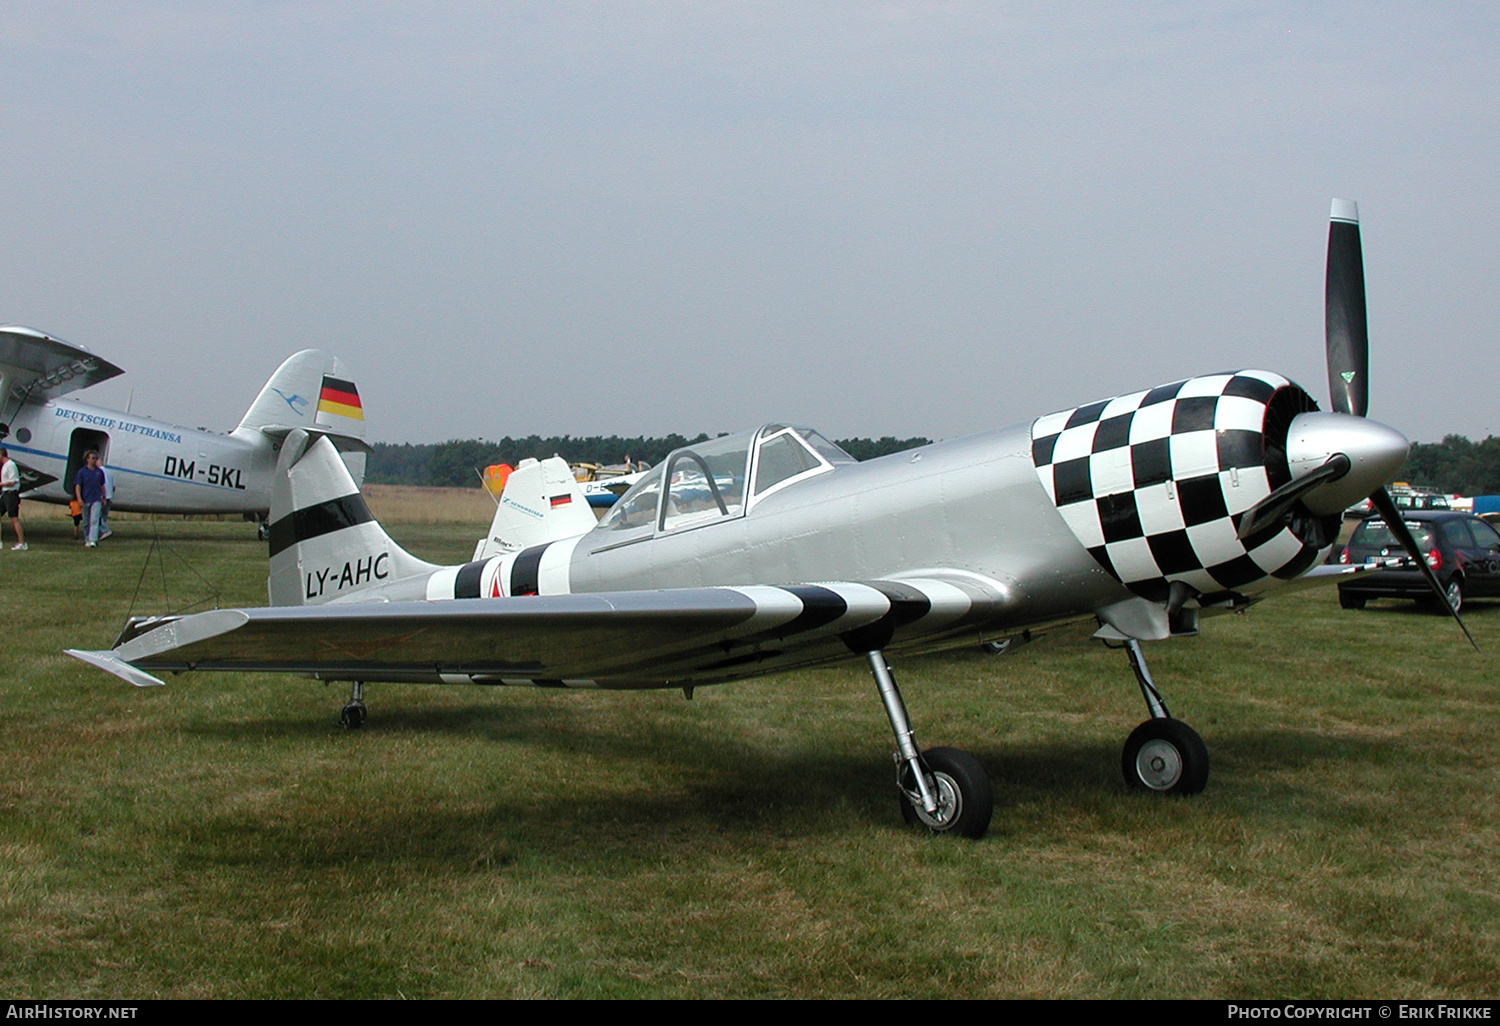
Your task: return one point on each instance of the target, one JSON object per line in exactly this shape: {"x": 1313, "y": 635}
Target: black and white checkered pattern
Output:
{"x": 1153, "y": 483}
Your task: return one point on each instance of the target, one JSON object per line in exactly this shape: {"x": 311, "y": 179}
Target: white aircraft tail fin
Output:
{"x": 325, "y": 544}
{"x": 312, "y": 390}
{"x": 541, "y": 503}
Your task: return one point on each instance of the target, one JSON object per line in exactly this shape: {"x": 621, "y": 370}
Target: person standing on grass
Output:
{"x": 10, "y": 498}
{"x": 88, "y": 489}
{"x": 109, "y": 497}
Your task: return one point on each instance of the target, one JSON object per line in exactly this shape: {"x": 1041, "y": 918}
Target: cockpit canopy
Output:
{"x": 705, "y": 483}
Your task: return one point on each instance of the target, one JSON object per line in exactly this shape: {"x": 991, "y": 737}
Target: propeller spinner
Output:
{"x": 1338, "y": 458}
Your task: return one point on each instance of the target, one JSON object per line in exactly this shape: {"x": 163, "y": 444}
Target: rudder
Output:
{"x": 541, "y": 503}
{"x": 325, "y": 543}
{"x": 311, "y": 389}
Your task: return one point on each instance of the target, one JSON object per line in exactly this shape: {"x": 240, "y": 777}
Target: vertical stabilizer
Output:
{"x": 541, "y": 503}
{"x": 311, "y": 389}
{"x": 341, "y": 413}
{"x": 325, "y": 544}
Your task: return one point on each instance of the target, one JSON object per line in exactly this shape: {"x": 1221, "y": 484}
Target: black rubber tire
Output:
{"x": 1455, "y": 595}
{"x": 966, "y": 799}
{"x": 353, "y": 716}
{"x": 1166, "y": 756}
{"x": 1349, "y": 600}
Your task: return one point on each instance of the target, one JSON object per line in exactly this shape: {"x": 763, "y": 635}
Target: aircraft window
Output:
{"x": 781, "y": 458}
{"x": 824, "y": 448}
{"x": 706, "y": 483}
{"x": 637, "y": 507}
{"x": 788, "y": 454}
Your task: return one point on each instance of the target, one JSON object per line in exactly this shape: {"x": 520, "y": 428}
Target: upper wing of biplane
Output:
{"x": 35, "y": 367}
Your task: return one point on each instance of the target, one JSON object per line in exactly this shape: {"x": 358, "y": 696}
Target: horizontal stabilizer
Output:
{"x": 342, "y": 442}
{"x": 111, "y": 663}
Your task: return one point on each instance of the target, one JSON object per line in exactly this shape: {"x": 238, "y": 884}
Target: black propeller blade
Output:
{"x": 1387, "y": 508}
{"x": 1348, "y": 350}
{"x": 1271, "y": 509}
{"x": 1348, "y": 338}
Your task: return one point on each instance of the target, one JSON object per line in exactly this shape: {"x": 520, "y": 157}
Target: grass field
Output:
{"x": 224, "y": 837}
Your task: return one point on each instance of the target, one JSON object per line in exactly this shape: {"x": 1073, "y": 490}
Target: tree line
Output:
{"x": 457, "y": 463}
{"x": 1455, "y": 465}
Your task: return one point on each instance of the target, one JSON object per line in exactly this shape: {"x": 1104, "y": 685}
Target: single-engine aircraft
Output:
{"x": 160, "y": 467}
{"x": 773, "y": 549}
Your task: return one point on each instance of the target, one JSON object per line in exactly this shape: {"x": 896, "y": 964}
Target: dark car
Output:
{"x": 1463, "y": 551}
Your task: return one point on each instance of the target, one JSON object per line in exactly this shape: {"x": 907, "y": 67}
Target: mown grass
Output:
{"x": 223, "y": 837}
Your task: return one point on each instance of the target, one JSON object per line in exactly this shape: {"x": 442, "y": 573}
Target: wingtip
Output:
{"x": 1344, "y": 210}
{"x": 111, "y": 663}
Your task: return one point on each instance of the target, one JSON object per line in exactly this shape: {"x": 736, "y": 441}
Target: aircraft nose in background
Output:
{"x": 1375, "y": 453}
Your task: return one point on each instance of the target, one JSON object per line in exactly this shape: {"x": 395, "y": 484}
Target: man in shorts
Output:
{"x": 10, "y": 498}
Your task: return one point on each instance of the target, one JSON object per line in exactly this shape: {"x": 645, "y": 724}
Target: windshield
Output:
{"x": 1377, "y": 534}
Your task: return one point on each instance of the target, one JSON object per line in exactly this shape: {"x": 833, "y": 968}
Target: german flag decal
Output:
{"x": 340, "y": 397}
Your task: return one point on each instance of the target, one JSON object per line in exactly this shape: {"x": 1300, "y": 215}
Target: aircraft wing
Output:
{"x": 36, "y": 367}
{"x": 1333, "y": 573}
{"x": 633, "y": 639}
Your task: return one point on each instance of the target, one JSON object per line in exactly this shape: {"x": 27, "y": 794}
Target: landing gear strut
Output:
{"x": 354, "y": 713}
{"x": 1162, "y": 754}
{"x": 943, "y": 789}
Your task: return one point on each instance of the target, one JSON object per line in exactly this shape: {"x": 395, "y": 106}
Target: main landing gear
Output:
{"x": 943, "y": 789}
{"x": 262, "y": 525}
{"x": 1162, "y": 754}
{"x": 354, "y": 713}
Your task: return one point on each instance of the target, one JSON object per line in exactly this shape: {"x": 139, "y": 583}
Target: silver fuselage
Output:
{"x": 970, "y": 506}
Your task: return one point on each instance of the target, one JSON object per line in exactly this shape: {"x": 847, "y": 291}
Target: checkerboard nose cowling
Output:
{"x": 1154, "y": 483}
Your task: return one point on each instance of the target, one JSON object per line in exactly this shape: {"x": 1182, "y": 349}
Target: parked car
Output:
{"x": 1422, "y": 500}
{"x": 1463, "y": 551}
{"x": 1405, "y": 497}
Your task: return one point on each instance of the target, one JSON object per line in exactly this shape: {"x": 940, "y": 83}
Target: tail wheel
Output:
{"x": 965, "y": 799}
{"x": 1167, "y": 756}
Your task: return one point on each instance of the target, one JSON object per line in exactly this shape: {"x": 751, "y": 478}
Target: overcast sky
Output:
{"x": 644, "y": 217}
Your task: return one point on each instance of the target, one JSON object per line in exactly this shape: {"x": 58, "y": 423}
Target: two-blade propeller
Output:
{"x": 1338, "y": 458}
{"x": 1346, "y": 334}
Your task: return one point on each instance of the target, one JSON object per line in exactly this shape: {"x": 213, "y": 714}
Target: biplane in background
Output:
{"x": 160, "y": 467}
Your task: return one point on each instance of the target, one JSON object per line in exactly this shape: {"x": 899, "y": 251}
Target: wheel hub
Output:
{"x": 1159, "y": 765}
{"x": 949, "y": 804}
